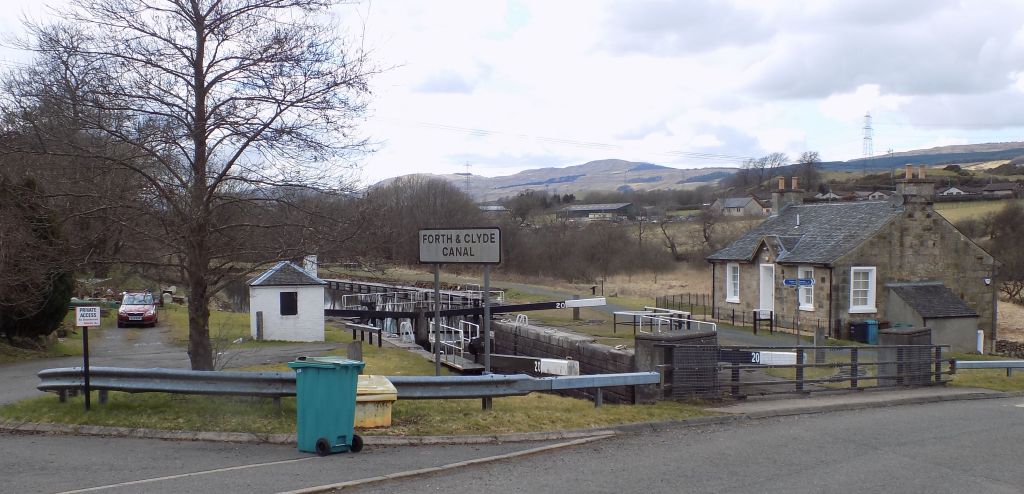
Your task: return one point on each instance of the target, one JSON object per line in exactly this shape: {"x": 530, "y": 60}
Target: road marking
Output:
{"x": 1019, "y": 405}
{"x": 184, "y": 475}
{"x": 427, "y": 470}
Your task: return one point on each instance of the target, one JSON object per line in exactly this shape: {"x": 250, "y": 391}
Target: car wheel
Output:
{"x": 120, "y": 324}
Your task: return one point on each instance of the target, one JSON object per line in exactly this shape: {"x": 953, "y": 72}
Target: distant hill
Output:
{"x": 613, "y": 174}
{"x": 598, "y": 176}
{"x": 937, "y": 156}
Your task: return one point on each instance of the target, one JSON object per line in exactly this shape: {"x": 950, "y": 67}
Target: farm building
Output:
{"x": 1000, "y": 190}
{"x": 596, "y": 211}
{"x": 857, "y": 253}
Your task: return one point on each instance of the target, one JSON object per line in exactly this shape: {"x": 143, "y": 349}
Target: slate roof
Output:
{"x": 999, "y": 187}
{"x": 596, "y": 207}
{"x": 827, "y": 231}
{"x": 737, "y": 202}
{"x": 285, "y": 273}
{"x": 933, "y": 300}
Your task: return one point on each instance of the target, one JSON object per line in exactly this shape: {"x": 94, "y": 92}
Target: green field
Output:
{"x": 958, "y": 211}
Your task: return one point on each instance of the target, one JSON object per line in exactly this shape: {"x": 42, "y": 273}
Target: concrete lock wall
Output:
{"x": 594, "y": 358}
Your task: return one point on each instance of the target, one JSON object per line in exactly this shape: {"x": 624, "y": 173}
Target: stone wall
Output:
{"x": 594, "y": 358}
{"x": 920, "y": 245}
{"x": 1010, "y": 348}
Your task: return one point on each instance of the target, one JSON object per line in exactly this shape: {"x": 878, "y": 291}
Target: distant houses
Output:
{"x": 740, "y": 206}
{"x": 494, "y": 210}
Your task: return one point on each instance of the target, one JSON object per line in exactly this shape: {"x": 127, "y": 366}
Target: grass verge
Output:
{"x": 531, "y": 413}
{"x": 995, "y": 379}
{"x": 68, "y": 346}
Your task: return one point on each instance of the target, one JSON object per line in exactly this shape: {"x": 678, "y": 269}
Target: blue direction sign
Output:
{"x": 798, "y": 281}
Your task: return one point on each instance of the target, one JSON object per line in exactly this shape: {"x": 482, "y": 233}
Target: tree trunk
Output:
{"x": 200, "y": 352}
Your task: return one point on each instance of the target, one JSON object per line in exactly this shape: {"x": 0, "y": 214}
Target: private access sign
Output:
{"x": 460, "y": 246}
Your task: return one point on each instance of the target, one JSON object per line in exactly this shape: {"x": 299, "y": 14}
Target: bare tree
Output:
{"x": 234, "y": 114}
{"x": 773, "y": 162}
{"x": 1006, "y": 239}
{"x": 403, "y": 206}
{"x": 808, "y": 169}
{"x": 670, "y": 240}
{"x": 526, "y": 205}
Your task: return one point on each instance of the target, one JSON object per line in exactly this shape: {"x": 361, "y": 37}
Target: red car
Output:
{"x": 137, "y": 308}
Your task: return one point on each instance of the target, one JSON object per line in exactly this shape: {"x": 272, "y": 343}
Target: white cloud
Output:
{"x": 520, "y": 84}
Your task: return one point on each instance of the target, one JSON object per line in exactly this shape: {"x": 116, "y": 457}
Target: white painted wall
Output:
{"x": 307, "y": 325}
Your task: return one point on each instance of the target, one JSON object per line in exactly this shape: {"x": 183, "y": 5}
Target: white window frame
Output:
{"x": 732, "y": 287}
{"x": 806, "y": 292}
{"x": 868, "y": 308}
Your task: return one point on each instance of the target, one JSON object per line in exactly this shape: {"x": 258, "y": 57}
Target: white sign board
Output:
{"x": 87, "y": 317}
{"x": 460, "y": 246}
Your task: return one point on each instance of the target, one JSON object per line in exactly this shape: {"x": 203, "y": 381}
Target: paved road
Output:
{"x": 954, "y": 447}
{"x": 140, "y": 347}
{"x": 42, "y": 463}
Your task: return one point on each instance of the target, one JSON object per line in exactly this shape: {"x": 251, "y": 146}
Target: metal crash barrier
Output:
{"x": 280, "y": 384}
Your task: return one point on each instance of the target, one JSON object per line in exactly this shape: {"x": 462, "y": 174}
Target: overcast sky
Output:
{"x": 510, "y": 85}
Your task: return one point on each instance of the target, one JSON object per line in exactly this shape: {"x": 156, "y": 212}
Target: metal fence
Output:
{"x": 712, "y": 371}
{"x": 699, "y": 305}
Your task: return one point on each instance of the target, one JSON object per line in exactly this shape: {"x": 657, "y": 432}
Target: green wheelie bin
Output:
{"x": 325, "y": 389}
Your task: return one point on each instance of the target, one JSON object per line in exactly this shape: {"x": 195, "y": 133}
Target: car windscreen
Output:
{"x": 137, "y": 299}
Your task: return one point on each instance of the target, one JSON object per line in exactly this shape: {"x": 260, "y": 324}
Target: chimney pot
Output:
{"x": 920, "y": 172}
{"x": 782, "y": 183}
{"x": 795, "y": 183}
{"x": 910, "y": 172}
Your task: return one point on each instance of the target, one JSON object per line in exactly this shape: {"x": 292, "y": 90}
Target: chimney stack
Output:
{"x": 919, "y": 189}
{"x": 786, "y": 197}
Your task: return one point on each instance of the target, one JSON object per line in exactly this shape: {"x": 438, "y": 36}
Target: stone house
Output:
{"x": 856, "y": 253}
{"x": 740, "y": 206}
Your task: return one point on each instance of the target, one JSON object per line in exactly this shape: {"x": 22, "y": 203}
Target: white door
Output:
{"x": 767, "y": 301}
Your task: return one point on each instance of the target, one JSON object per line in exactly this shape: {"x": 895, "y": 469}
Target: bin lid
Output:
{"x": 325, "y": 362}
{"x": 375, "y": 388}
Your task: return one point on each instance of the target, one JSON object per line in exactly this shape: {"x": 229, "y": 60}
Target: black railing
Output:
{"x": 741, "y": 371}
{"x": 700, "y": 307}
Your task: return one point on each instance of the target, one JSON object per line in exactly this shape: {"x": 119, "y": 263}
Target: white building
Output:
{"x": 290, "y": 302}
